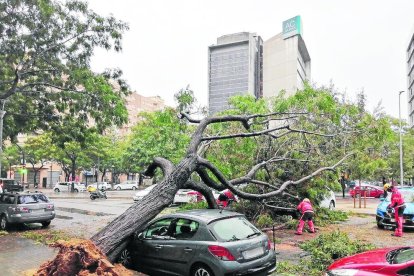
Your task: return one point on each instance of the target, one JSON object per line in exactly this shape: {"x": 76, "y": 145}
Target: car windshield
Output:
{"x": 408, "y": 195}
{"x": 36, "y": 198}
{"x": 233, "y": 229}
{"x": 400, "y": 255}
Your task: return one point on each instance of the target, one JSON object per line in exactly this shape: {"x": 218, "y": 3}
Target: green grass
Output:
{"x": 45, "y": 236}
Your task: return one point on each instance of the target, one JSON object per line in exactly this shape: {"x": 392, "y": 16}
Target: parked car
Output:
{"x": 224, "y": 200}
{"x": 367, "y": 190}
{"x": 384, "y": 261}
{"x": 25, "y": 207}
{"x": 141, "y": 193}
{"x": 329, "y": 201}
{"x": 200, "y": 242}
{"x": 9, "y": 185}
{"x": 385, "y": 219}
{"x": 100, "y": 185}
{"x": 187, "y": 196}
{"x": 127, "y": 185}
{"x": 66, "y": 187}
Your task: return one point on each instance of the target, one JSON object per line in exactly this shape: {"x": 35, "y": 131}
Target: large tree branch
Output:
{"x": 204, "y": 190}
{"x": 243, "y": 135}
{"x": 164, "y": 164}
{"x": 245, "y": 195}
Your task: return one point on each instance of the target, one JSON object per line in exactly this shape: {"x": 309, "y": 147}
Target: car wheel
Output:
{"x": 331, "y": 205}
{"x": 134, "y": 188}
{"x": 46, "y": 223}
{"x": 76, "y": 190}
{"x": 56, "y": 190}
{"x": 118, "y": 188}
{"x": 4, "y": 224}
{"x": 92, "y": 197}
{"x": 380, "y": 226}
{"x": 125, "y": 258}
{"x": 201, "y": 270}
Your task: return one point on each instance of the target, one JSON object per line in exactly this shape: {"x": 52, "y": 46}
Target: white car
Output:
{"x": 140, "y": 194}
{"x": 127, "y": 185}
{"x": 66, "y": 186}
{"x": 329, "y": 201}
{"x": 187, "y": 196}
{"x": 104, "y": 185}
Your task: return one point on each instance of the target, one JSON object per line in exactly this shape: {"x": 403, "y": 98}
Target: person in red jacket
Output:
{"x": 398, "y": 204}
{"x": 306, "y": 210}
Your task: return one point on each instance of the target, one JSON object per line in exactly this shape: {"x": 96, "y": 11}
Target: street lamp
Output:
{"x": 401, "y": 151}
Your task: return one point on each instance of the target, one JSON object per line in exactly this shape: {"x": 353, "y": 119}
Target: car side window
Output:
{"x": 184, "y": 229}
{"x": 159, "y": 228}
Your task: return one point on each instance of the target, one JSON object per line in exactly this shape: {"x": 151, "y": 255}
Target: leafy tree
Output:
{"x": 45, "y": 77}
{"x": 38, "y": 150}
{"x": 11, "y": 156}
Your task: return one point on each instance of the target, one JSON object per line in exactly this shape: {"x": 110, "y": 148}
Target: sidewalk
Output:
{"x": 125, "y": 194}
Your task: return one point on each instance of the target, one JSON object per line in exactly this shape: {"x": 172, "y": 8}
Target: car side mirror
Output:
{"x": 140, "y": 236}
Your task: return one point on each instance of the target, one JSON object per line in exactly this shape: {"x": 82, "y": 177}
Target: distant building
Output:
{"x": 286, "y": 60}
{"x": 234, "y": 68}
{"x": 136, "y": 103}
{"x": 410, "y": 79}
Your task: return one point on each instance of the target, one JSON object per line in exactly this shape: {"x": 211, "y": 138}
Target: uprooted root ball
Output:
{"x": 80, "y": 257}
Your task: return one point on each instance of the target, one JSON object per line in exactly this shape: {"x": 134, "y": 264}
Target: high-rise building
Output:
{"x": 286, "y": 60}
{"x": 234, "y": 68}
{"x": 410, "y": 78}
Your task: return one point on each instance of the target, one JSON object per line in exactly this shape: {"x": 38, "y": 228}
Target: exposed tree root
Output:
{"x": 80, "y": 257}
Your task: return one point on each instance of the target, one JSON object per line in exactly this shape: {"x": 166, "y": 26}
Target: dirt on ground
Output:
{"x": 80, "y": 257}
{"x": 359, "y": 228}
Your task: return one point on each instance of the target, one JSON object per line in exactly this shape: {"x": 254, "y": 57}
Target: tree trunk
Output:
{"x": 113, "y": 238}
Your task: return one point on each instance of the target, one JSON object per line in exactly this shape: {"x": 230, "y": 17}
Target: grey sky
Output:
{"x": 356, "y": 44}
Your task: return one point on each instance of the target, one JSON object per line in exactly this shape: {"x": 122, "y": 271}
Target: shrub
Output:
{"x": 264, "y": 220}
{"x": 193, "y": 205}
{"x": 328, "y": 247}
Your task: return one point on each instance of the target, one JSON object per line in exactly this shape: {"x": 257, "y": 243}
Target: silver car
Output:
{"x": 25, "y": 207}
{"x": 200, "y": 243}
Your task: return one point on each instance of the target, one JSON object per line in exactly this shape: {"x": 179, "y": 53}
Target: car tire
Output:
{"x": 118, "y": 188}
{"x": 125, "y": 258}
{"x": 76, "y": 190}
{"x": 380, "y": 226}
{"x": 4, "y": 224}
{"x": 332, "y": 205}
{"x": 46, "y": 223}
{"x": 92, "y": 197}
{"x": 56, "y": 190}
{"x": 201, "y": 270}
{"x": 134, "y": 188}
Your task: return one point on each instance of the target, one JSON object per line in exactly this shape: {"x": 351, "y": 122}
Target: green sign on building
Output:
{"x": 292, "y": 26}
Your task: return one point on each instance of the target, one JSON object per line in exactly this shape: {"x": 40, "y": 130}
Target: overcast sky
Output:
{"x": 353, "y": 43}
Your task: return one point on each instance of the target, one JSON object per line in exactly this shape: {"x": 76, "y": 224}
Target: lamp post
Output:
{"x": 401, "y": 151}
{"x": 2, "y": 112}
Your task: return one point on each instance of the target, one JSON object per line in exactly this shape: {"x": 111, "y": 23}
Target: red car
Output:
{"x": 384, "y": 261}
{"x": 370, "y": 190}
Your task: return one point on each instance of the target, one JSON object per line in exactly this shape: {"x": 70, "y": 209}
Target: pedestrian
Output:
{"x": 306, "y": 211}
{"x": 398, "y": 204}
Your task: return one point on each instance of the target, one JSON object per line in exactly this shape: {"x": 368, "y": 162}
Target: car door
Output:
{"x": 148, "y": 250}
{"x": 182, "y": 247}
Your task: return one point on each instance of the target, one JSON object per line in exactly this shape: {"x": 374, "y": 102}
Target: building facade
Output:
{"x": 235, "y": 67}
{"x": 410, "y": 79}
{"x": 286, "y": 60}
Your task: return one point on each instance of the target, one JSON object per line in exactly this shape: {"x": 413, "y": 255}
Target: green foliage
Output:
{"x": 264, "y": 220}
{"x": 46, "y": 48}
{"x": 3, "y": 233}
{"x": 327, "y": 247}
{"x": 45, "y": 236}
{"x": 193, "y": 205}
{"x": 324, "y": 216}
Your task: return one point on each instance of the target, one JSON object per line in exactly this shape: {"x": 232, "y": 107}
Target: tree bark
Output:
{"x": 113, "y": 238}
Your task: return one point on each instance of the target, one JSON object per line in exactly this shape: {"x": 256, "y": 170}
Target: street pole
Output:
{"x": 401, "y": 150}
{"x": 2, "y": 112}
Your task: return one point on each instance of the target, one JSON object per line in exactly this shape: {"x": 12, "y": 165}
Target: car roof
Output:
{"x": 205, "y": 215}
{"x": 23, "y": 193}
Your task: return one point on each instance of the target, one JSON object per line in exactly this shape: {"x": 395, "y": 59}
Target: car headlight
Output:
{"x": 342, "y": 272}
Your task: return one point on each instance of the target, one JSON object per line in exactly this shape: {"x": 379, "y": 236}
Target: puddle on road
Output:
{"x": 63, "y": 217}
{"x": 83, "y": 212}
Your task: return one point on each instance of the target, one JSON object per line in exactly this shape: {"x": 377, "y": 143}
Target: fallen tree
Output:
{"x": 113, "y": 238}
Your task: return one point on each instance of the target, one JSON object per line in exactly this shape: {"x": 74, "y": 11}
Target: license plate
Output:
{"x": 37, "y": 210}
{"x": 249, "y": 254}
